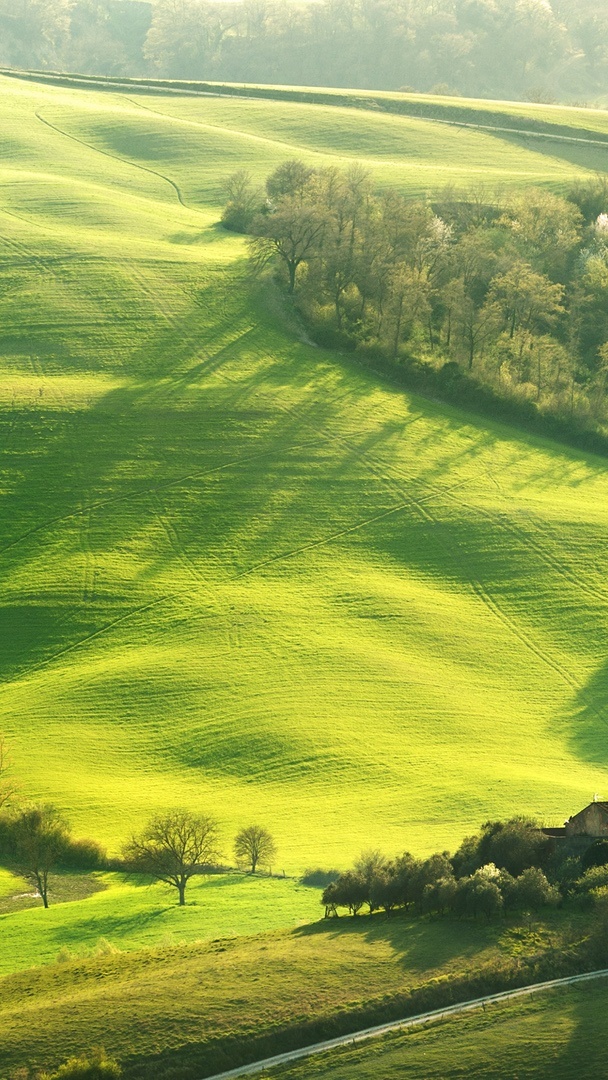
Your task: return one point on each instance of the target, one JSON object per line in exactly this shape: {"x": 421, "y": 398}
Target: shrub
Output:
{"x": 96, "y": 1067}
{"x": 478, "y": 895}
{"x": 532, "y": 891}
{"x": 319, "y": 878}
{"x": 84, "y": 855}
{"x": 512, "y": 845}
{"x": 594, "y": 879}
{"x": 596, "y": 855}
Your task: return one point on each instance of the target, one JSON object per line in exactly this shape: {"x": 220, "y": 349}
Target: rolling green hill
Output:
{"x": 194, "y": 1009}
{"x": 241, "y": 573}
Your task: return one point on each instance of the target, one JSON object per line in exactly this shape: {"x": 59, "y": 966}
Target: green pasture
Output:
{"x": 128, "y": 915}
{"x": 557, "y": 1035}
{"x": 243, "y": 574}
{"x": 193, "y": 1009}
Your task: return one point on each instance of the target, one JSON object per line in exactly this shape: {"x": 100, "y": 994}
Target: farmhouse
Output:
{"x": 591, "y": 822}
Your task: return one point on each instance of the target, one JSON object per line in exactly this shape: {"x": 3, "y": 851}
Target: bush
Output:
{"x": 594, "y": 879}
{"x": 532, "y": 891}
{"x": 479, "y": 894}
{"x": 74, "y": 855}
{"x": 512, "y": 845}
{"x": 96, "y": 1067}
{"x": 84, "y": 855}
{"x": 319, "y": 878}
{"x": 596, "y": 855}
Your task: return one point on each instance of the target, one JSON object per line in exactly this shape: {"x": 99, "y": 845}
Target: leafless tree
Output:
{"x": 254, "y": 846}
{"x": 173, "y": 847}
{"x": 41, "y": 837}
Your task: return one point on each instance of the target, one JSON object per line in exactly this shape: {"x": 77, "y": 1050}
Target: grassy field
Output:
{"x": 555, "y": 1036}
{"x": 193, "y": 1009}
{"x": 244, "y": 575}
{"x": 240, "y": 573}
{"x": 103, "y": 911}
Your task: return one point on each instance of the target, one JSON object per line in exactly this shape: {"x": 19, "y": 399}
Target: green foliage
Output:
{"x": 595, "y": 855}
{"x": 97, "y": 1066}
{"x": 244, "y": 201}
{"x": 319, "y": 878}
{"x": 535, "y": 51}
{"x": 508, "y": 296}
{"x": 479, "y": 886}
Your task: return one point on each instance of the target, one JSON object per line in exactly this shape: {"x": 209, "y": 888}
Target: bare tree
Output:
{"x": 40, "y": 838}
{"x": 254, "y": 846}
{"x": 173, "y": 847}
{"x": 7, "y": 789}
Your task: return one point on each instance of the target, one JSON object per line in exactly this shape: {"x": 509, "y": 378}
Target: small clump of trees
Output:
{"x": 36, "y": 841}
{"x": 496, "y": 300}
{"x": 509, "y": 866}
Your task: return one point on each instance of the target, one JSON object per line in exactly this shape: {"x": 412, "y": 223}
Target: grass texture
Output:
{"x": 555, "y": 1036}
{"x": 194, "y": 1009}
{"x": 241, "y": 573}
{"x": 105, "y": 912}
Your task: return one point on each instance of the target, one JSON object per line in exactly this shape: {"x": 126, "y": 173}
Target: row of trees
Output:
{"x": 507, "y": 292}
{"x": 493, "y": 48}
{"x": 508, "y": 866}
{"x": 36, "y": 840}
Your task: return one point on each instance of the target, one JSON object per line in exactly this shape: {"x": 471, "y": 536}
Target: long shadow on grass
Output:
{"x": 420, "y": 944}
{"x": 589, "y": 724}
{"x": 586, "y": 1055}
{"x": 239, "y": 453}
{"x": 582, "y": 155}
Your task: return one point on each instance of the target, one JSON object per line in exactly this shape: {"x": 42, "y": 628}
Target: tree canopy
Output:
{"x": 488, "y": 48}
{"x": 173, "y": 847}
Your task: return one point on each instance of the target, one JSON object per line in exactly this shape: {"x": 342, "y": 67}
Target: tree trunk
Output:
{"x": 398, "y": 329}
{"x": 181, "y": 888}
{"x": 292, "y": 267}
{"x": 43, "y": 888}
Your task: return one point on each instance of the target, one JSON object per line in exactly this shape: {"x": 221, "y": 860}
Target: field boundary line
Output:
{"x": 80, "y": 82}
{"x": 408, "y": 1022}
{"x": 117, "y": 157}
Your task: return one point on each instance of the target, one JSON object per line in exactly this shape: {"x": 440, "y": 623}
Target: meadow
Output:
{"x": 194, "y": 1009}
{"x": 249, "y": 576}
{"x": 89, "y": 914}
{"x": 555, "y": 1036}
{"x": 241, "y": 573}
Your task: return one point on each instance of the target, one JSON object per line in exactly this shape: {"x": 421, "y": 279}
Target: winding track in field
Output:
{"x": 406, "y": 1024}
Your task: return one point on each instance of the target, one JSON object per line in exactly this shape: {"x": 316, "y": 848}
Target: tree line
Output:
{"x": 496, "y": 299}
{"x": 488, "y": 48}
{"x": 36, "y": 841}
{"x": 508, "y": 866}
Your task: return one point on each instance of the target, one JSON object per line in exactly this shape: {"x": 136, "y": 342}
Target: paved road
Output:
{"x": 402, "y": 1025}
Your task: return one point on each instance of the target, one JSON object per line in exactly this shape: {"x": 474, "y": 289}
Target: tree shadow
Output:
{"x": 589, "y": 719}
{"x": 420, "y": 944}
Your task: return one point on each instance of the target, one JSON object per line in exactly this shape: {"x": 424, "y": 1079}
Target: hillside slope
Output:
{"x": 240, "y": 573}
{"x": 553, "y": 1037}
